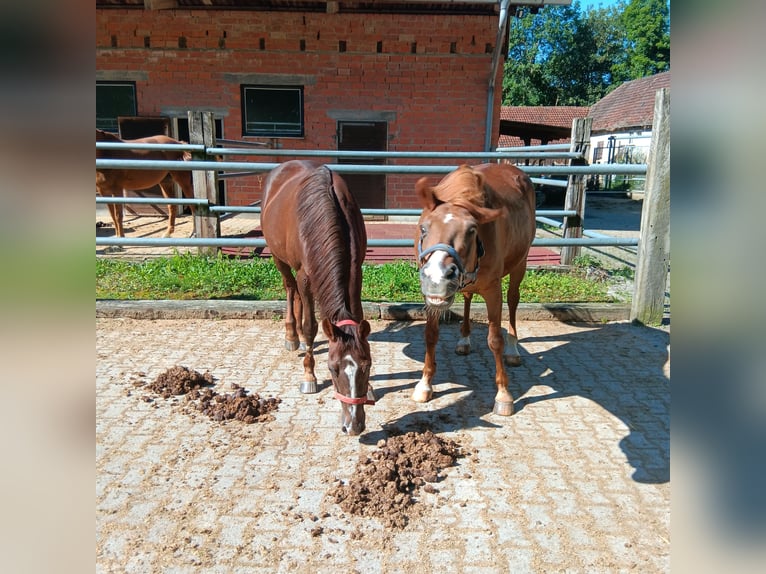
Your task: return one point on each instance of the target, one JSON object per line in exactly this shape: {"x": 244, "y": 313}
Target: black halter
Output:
{"x": 466, "y": 278}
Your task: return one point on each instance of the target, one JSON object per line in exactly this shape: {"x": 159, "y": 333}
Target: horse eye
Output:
{"x": 423, "y": 230}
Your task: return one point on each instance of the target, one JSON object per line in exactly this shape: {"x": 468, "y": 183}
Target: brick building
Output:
{"x": 395, "y": 76}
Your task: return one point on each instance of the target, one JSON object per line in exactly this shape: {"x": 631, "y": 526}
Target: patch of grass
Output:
{"x": 191, "y": 276}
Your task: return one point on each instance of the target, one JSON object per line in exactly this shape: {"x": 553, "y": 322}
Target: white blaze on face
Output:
{"x": 434, "y": 267}
{"x": 351, "y": 370}
{"x": 449, "y": 217}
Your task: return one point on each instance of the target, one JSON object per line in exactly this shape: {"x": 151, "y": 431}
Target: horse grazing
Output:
{"x": 476, "y": 227}
{"x": 312, "y": 224}
{"x": 113, "y": 182}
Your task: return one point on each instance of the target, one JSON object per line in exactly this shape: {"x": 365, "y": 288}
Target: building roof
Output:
{"x": 526, "y": 125}
{"x": 630, "y": 107}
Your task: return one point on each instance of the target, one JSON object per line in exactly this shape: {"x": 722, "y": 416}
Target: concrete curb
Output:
{"x": 239, "y": 309}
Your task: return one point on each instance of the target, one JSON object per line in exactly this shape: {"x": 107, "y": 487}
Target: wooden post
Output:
{"x": 206, "y": 223}
{"x": 575, "y": 196}
{"x": 654, "y": 240}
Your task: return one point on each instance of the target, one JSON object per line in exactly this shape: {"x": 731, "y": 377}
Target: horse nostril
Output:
{"x": 451, "y": 271}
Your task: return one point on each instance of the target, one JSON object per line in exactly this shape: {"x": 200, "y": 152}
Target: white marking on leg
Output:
{"x": 434, "y": 269}
{"x": 464, "y": 341}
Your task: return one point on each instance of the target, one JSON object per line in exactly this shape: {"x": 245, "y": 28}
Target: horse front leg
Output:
{"x": 496, "y": 342}
{"x": 309, "y": 327}
{"x": 288, "y": 281}
{"x": 511, "y": 354}
{"x": 463, "y": 346}
{"x": 423, "y": 390}
{"x": 116, "y": 212}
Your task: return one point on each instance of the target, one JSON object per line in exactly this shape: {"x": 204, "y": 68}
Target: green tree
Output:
{"x": 549, "y": 59}
{"x": 646, "y": 40}
{"x": 558, "y": 56}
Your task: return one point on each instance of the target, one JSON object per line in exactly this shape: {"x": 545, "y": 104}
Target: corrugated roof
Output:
{"x": 559, "y": 116}
{"x": 630, "y": 107}
{"x": 535, "y": 119}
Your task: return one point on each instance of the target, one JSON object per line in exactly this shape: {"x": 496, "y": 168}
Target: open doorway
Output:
{"x": 369, "y": 189}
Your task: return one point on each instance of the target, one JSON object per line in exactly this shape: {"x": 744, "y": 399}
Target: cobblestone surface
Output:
{"x": 576, "y": 481}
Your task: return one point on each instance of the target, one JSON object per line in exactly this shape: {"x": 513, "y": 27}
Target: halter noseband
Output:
{"x": 366, "y": 400}
{"x": 465, "y": 278}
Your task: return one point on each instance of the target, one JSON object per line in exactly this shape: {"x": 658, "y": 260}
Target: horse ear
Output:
{"x": 485, "y": 215}
{"x": 479, "y": 179}
{"x": 329, "y": 329}
{"x": 425, "y": 194}
{"x": 364, "y": 329}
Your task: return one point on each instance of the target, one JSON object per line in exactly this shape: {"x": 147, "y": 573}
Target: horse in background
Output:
{"x": 313, "y": 225}
{"x": 113, "y": 182}
{"x": 476, "y": 227}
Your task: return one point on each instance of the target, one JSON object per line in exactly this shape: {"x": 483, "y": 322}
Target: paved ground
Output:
{"x": 576, "y": 481}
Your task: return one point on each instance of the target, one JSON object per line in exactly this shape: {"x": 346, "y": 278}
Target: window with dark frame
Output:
{"x": 272, "y": 111}
{"x": 114, "y": 99}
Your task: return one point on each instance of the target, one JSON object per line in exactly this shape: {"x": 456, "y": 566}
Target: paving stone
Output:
{"x": 577, "y": 480}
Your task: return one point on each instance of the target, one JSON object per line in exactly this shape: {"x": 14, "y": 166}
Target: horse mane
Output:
{"x": 326, "y": 238}
{"x": 461, "y": 188}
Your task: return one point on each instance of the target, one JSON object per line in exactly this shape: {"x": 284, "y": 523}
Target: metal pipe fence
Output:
{"x": 226, "y": 169}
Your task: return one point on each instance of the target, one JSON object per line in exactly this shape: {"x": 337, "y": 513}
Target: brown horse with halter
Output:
{"x": 113, "y": 182}
{"x": 313, "y": 225}
{"x": 476, "y": 227}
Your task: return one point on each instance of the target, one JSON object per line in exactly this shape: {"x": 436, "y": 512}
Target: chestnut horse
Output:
{"x": 113, "y": 182}
{"x": 312, "y": 224}
{"x": 476, "y": 227}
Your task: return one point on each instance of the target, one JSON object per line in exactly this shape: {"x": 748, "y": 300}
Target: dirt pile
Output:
{"x": 235, "y": 406}
{"x": 238, "y": 405}
{"x": 385, "y": 482}
{"x": 179, "y": 380}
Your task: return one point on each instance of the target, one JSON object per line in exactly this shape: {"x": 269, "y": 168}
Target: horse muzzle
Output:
{"x": 353, "y": 416}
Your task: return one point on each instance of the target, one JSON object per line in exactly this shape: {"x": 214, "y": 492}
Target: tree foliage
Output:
{"x": 562, "y": 57}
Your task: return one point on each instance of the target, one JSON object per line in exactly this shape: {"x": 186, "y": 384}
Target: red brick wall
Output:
{"x": 439, "y": 97}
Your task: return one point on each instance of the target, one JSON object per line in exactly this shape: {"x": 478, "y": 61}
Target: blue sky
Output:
{"x": 587, "y": 4}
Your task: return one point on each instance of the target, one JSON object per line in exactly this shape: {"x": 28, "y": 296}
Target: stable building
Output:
{"x": 374, "y": 76}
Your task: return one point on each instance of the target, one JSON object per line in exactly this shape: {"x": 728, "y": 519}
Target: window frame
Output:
{"x": 272, "y": 133}
{"x": 134, "y": 112}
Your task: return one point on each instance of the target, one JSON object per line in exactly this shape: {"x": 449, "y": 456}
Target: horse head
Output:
{"x": 349, "y": 361}
{"x": 449, "y": 246}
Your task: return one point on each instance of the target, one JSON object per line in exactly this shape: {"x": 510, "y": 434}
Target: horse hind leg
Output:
{"x": 166, "y": 185}
{"x": 511, "y": 355}
{"x": 309, "y": 329}
{"x": 463, "y": 346}
{"x": 292, "y": 340}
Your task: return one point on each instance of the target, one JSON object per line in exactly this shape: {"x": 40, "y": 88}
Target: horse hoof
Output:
{"x": 503, "y": 409}
{"x": 512, "y": 360}
{"x": 463, "y": 349}
{"x": 309, "y": 387}
{"x": 421, "y": 396}
{"x": 291, "y": 345}
{"x": 302, "y": 346}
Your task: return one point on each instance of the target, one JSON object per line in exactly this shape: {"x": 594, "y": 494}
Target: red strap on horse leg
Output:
{"x": 347, "y": 322}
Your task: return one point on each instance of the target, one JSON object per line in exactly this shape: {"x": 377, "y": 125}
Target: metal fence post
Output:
{"x": 653, "y": 261}
{"x": 206, "y": 223}
{"x": 575, "y": 196}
